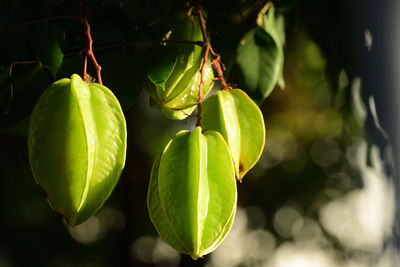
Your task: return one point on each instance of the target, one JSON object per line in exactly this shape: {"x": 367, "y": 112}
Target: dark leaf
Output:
{"x": 123, "y": 74}
{"x": 161, "y": 61}
{"x": 27, "y": 87}
{"x": 70, "y": 66}
{"x": 46, "y": 45}
{"x": 105, "y": 33}
{"x": 15, "y": 41}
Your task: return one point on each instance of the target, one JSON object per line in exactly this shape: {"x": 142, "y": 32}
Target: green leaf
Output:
{"x": 46, "y": 45}
{"x": 275, "y": 26}
{"x": 196, "y": 190}
{"x": 163, "y": 60}
{"x": 77, "y": 146}
{"x": 260, "y": 57}
{"x": 241, "y": 123}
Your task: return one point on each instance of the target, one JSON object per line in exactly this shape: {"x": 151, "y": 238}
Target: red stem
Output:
{"x": 216, "y": 57}
{"x": 89, "y": 53}
{"x": 217, "y": 67}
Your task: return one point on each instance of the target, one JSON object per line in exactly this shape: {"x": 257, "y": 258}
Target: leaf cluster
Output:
{"x": 42, "y": 41}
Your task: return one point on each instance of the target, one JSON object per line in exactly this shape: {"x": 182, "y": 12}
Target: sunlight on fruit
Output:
{"x": 325, "y": 80}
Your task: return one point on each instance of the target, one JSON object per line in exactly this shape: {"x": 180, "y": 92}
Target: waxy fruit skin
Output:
{"x": 77, "y": 146}
{"x": 241, "y": 123}
{"x": 192, "y": 192}
{"x": 174, "y": 87}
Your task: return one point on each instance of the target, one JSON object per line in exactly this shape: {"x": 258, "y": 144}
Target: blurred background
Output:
{"x": 325, "y": 192}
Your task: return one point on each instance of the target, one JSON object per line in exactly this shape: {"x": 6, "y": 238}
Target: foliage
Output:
{"x": 69, "y": 135}
{"x": 48, "y": 43}
{"x": 310, "y": 131}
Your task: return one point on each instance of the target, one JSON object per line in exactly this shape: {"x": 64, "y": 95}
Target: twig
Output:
{"x": 216, "y": 62}
{"x": 149, "y": 42}
{"x": 218, "y": 69}
{"x": 131, "y": 43}
{"x": 21, "y": 63}
{"x": 24, "y": 62}
{"x": 89, "y": 53}
{"x": 216, "y": 57}
{"x": 199, "y": 43}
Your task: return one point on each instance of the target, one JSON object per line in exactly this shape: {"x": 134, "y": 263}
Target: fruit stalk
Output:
{"x": 89, "y": 53}
{"x": 216, "y": 57}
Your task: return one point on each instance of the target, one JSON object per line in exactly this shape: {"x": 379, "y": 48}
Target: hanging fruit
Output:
{"x": 241, "y": 123}
{"x": 192, "y": 192}
{"x": 77, "y": 146}
{"x": 173, "y": 77}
